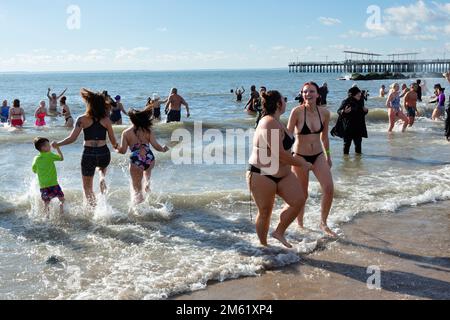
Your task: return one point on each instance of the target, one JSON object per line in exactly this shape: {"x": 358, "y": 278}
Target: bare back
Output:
{"x": 175, "y": 102}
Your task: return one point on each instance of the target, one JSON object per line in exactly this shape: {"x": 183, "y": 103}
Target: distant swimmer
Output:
{"x": 323, "y": 91}
{"x": 173, "y": 107}
{"x": 440, "y": 109}
{"x": 383, "y": 91}
{"x": 395, "y": 108}
{"x": 116, "y": 111}
{"x": 251, "y": 105}
{"x": 4, "y": 112}
{"x": 138, "y": 138}
{"x": 53, "y": 102}
{"x": 40, "y": 114}
{"x": 66, "y": 113}
{"x": 96, "y": 126}
{"x": 239, "y": 94}
{"x": 267, "y": 180}
{"x": 16, "y": 115}
{"x": 45, "y": 169}
{"x": 410, "y": 104}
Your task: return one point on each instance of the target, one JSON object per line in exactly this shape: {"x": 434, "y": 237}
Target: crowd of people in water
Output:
{"x": 300, "y": 148}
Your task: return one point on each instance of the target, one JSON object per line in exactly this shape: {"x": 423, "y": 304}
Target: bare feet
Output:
{"x": 147, "y": 188}
{"x": 139, "y": 198}
{"x": 282, "y": 239}
{"x": 328, "y": 231}
{"x": 103, "y": 187}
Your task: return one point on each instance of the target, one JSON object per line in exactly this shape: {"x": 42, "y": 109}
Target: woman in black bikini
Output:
{"x": 310, "y": 122}
{"x": 96, "y": 125}
{"x": 270, "y": 172}
{"x": 66, "y": 113}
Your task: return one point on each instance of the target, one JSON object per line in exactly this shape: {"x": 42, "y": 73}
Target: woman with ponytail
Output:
{"x": 270, "y": 174}
{"x": 96, "y": 125}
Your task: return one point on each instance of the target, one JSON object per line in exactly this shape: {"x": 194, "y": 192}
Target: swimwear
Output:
{"x": 310, "y": 159}
{"x": 396, "y": 104}
{"x": 142, "y": 156}
{"x": 4, "y": 114}
{"x": 173, "y": 116}
{"x": 40, "y": 120}
{"x": 96, "y": 132}
{"x": 157, "y": 113}
{"x": 256, "y": 170}
{"x": 306, "y": 131}
{"x": 94, "y": 158}
{"x": 116, "y": 115}
{"x": 48, "y": 194}
{"x": 16, "y": 122}
{"x": 411, "y": 112}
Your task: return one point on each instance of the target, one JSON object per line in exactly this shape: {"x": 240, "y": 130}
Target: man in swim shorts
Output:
{"x": 173, "y": 107}
{"x": 410, "y": 103}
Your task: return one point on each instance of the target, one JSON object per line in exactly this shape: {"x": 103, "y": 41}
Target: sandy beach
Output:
{"x": 411, "y": 247}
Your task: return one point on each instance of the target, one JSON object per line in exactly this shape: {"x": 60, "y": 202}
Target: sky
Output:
{"x": 91, "y": 35}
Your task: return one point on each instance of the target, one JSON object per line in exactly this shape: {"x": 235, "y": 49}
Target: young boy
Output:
{"x": 44, "y": 167}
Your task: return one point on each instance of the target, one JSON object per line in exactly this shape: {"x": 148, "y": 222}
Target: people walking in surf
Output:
{"x": 16, "y": 115}
{"x": 116, "y": 111}
{"x": 40, "y": 114}
{"x": 139, "y": 138}
{"x": 53, "y": 102}
{"x": 45, "y": 169}
{"x": 173, "y": 106}
{"x": 354, "y": 115}
{"x": 266, "y": 181}
{"x": 95, "y": 125}
{"x": 251, "y": 106}
{"x": 410, "y": 104}
{"x": 310, "y": 123}
{"x": 4, "y": 112}
{"x": 395, "y": 109}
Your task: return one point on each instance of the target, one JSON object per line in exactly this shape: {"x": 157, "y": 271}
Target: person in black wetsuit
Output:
{"x": 323, "y": 91}
{"x": 96, "y": 125}
{"x": 419, "y": 90}
{"x": 354, "y": 113}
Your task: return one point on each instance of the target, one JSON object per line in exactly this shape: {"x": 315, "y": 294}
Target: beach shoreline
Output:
{"x": 411, "y": 248}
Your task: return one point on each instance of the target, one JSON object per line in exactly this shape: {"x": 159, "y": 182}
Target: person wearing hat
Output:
{"x": 155, "y": 102}
{"x": 116, "y": 112}
{"x": 440, "y": 100}
{"x": 354, "y": 117}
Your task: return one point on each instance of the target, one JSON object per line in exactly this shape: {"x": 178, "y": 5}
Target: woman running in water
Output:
{"x": 116, "y": 112}
{"x": 16, "y": 115}
{"x": 267, "y": 180}
{"x": 440, "y": 109}
{"x": 96, "y": 125}
{"x": 66, "y": 113}
{"x": 395, "y": 108}
{"x": 40, "y": 114}
{"x": 139, "y": 138}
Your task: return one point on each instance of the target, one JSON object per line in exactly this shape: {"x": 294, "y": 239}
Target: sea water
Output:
{"x": 197, "y": 225}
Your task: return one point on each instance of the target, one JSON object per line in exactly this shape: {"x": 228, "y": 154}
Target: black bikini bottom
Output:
{"x": 310, "y": 159}
{"x": 256, "y": 170}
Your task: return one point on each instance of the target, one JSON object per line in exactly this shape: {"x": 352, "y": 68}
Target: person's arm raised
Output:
{"x": 62, "y": 94}
{"x": 73, "y": 135}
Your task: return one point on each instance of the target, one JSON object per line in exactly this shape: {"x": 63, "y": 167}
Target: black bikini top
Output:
{"x": 288, "y": 142}
{"x": 306, "y": 131}
{"x": 96, "y": 132}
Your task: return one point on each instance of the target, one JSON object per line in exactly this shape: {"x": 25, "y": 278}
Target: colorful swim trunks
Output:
{"x": 48, "y": 194}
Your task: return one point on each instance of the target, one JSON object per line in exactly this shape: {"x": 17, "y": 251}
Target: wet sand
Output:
{"x": 411, "y": 247}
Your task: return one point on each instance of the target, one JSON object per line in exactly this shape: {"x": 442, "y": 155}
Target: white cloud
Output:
{"x": 162, "y": 29}
{"x": 329, "y": 21}
{"x": 124, "y": 54}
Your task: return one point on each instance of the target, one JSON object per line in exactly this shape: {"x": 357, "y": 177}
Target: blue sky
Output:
{"x": 214, "y": 34}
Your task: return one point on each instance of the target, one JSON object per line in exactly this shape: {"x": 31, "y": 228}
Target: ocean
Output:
{"x": 197, "y": 226}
